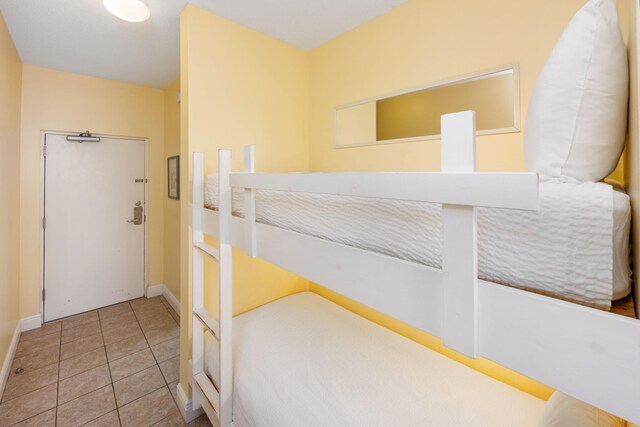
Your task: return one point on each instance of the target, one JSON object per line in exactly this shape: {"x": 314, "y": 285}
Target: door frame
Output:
{"x": 43, "y": 135}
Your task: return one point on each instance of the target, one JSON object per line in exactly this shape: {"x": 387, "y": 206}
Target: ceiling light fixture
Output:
{"x": 128, "y": 10}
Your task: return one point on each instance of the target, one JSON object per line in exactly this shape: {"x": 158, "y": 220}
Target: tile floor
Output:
{"x": 117, "y": 366}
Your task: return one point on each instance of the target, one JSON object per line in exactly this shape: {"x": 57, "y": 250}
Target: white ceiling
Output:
{"x": 80, "y": 36}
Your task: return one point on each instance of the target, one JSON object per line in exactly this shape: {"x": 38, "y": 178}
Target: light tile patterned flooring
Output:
{"x": 117, "y": 366}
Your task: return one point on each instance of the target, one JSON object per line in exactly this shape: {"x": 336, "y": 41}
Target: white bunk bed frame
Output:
{"x": 590, "y": 354}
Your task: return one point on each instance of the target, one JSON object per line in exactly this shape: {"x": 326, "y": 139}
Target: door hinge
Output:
{"x": 43, "y": 295}
{"x": 44, "y": 222}
{"x": 145, "y": 218}
{"x": 44, "y": 151}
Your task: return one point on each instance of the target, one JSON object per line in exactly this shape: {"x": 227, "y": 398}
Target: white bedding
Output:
{"x": 304, "y": 361}
{"x": 572, "y": 248}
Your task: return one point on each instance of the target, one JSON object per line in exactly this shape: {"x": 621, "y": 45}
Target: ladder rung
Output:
{"x": 208, "y": 390}
{"x": 212, "y": 415}
{"x": 208, "y": 250}
{"x": 208, "y": 321}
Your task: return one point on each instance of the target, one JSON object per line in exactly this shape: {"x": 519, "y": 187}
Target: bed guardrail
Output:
{"x": 458, "y": 187}
{"x": 590, "y": 354}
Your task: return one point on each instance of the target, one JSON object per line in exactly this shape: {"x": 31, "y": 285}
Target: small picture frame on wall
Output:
{"x": 173, "y": 177}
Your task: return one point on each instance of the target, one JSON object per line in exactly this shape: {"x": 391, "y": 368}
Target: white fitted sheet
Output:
{"x": 305, "y": 361}
{"x": 575, "y": 248}
{"x": 621, "y": 251}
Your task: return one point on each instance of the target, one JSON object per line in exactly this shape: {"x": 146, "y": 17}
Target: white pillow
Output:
{"x": 564, "y": 411}
{"x": 577, "y": 116}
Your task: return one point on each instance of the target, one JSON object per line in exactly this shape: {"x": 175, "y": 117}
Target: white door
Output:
{"x": 93, "y": 255}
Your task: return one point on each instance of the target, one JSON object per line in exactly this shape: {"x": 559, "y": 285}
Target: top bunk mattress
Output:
{"x": 576, "y": 247}
{"x": 305, "y": 361}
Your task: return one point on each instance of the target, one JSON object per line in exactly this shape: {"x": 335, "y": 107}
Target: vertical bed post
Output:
{"x": 250, "y": 204}
{"x": 197, "y": 269}
{"x": 459, "y": 241}
{"x": 225, "y": 283}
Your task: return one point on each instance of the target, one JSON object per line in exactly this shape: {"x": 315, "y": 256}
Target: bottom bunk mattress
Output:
{"x": 576, "y": 247}
{"x": 305, "y": 361}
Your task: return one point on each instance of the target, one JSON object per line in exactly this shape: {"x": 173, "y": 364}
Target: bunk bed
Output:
{"x": 302, "y": 360}
{"x": 579, "y": 233}
{"x": 550, "y": 340}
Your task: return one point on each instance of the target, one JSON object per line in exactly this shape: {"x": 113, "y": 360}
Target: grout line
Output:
{"x": 82, "y": 352}
{"x": 120, "y": 339}
{"x": 133, "y": 336}
{"x": 166, "y": 385}
{"x": 38, "y": 414}
{"x": 151, "y": 392}
{"x": 79, "y": 326}
{"x": 101, "y": 415}
{"x": 148, "y": 344}
{"x": 18, "y": 355}
{"x": 58, "y": 384}
{"x": 90, "y": 369}
{"x": 62, "y": 328}
{"x": 82, "y": 395}
{"x": 33, "y": 352}
{"x": 137, "y": 372}
{"x": 126, "y": 355}
{"x": 3, "y": 401}
{"x": 58, "y": 404}
{"x": 144, "y": 395}
{"x": 113, "y": 389}
{"x": 35, "y": 338}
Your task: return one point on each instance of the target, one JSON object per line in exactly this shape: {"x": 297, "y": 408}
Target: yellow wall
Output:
{"x": 171, "y": 207}
{"x": 356, "y": 124}
{"x": 421, "y": 42}
{"x": 10, "y": 82}
{"x": 240, "y": 87}
{"x": 55, "y": 100}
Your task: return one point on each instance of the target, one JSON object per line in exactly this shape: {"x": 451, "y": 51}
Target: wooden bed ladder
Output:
{"x": 214, "y": 398}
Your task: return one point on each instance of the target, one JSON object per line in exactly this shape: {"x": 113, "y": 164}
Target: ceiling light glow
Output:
{"x": 128, "y": 10}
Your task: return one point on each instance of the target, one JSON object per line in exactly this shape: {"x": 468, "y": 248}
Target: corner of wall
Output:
{"x": 228, "y": 107}
{"x": 171, "y": 255}
{"x": 10, "y": 131}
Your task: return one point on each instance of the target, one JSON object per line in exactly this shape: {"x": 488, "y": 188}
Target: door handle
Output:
{"x": 137, "y": 216}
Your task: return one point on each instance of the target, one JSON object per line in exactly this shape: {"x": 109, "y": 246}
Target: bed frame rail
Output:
{"x": 590, "y": 354}
{"x": 463, "y": 189}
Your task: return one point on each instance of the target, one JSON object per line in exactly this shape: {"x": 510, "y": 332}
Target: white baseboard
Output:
{"x": 8, "y": 358}
{"x": 155, "y": 290}
{"x": 184, "y": 404}
{"x": 160, "y": 289}
{"x": 31, "y": 322}
{"x": 171, "y": 299}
